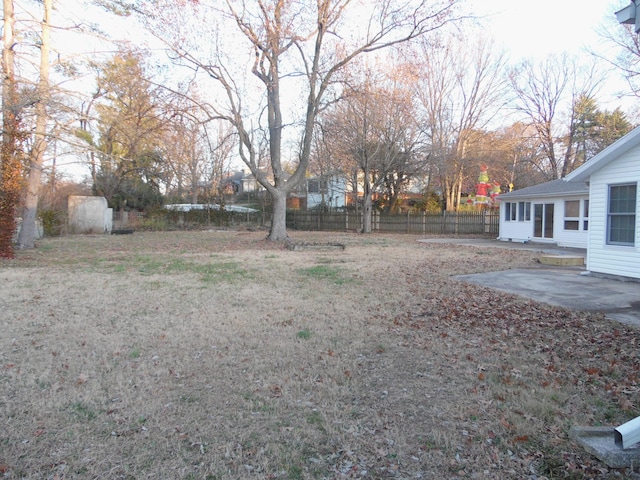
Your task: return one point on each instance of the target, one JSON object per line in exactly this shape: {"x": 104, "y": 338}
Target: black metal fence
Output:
{"x": 464, "y": 223}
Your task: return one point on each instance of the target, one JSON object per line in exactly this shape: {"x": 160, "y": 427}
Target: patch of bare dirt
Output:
{"x": 221, "y": 355}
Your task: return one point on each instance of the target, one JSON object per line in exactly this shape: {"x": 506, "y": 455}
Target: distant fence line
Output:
{"x": 452, "y": 223}
{"x": 484, "y": 222}
{"x": 127, "y": 219}
{"x": 170, "y": 219}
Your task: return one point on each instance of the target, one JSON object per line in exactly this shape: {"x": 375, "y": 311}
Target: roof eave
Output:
{"x": 542, "y": 195}
{"x": 614, "y": 150}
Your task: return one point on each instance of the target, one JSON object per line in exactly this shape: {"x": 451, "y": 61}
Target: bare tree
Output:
{"x": 295, "y": 49}
{"x": 548, "y": 96}
{"x": 509, "y": 153}
{"x": 626, "y": 44}
{"x": 460, "y": 87}
{"x": 184, "y": 155}
{"x": 374, "y": 130}
{"x": 218, "y": 148}
{"x": 196, "y": 159}
{"x": 27, "y": 236}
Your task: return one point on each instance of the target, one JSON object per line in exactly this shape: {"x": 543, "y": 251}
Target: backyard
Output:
{"x": 218, "y": 355}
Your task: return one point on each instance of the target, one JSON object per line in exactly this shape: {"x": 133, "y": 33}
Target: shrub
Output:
{"x": 53, "y": 222}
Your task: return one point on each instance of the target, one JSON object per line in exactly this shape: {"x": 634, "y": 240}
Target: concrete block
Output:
{"x": 562, "y": 260}
{"x": 600, "y": 442}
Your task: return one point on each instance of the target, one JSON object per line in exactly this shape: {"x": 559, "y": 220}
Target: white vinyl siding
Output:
{"x": 523, "y": 230}
{"x": 602, "y": 257}
{"x": 331, "y": 191}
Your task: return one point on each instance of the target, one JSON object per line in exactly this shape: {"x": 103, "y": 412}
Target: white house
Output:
{"x": 614, "y": 228}
{"x": 330, "y": 191}
{"x": 552, "y": 212}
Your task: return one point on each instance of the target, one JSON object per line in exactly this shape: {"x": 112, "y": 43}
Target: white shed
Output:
{"x": 89, "y": 214}
{"x": 552, "y": 212}
{"x": 614, "y": 230}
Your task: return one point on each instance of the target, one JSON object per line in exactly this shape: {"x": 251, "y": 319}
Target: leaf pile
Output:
{"x": 536, "y": 370}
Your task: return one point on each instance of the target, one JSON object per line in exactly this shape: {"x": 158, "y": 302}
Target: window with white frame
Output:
{"x": 510, "y": 211}
{"x": 621, "y": 215}
{"x": 576, "y": 215}
{"x": 585, "y": 219}
{"x": 524, "y": 211}
{"x": 572, "y": 215}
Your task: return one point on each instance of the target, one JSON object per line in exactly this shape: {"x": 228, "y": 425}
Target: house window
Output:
{"x": 524, "y": 211}
{"x": 621, "y": 215}
{"x": 317, "y": 186}
{"x": 510, "y": 211}
{"x": 543, "y": 220}
{"x": 314, "y": 186}
{"x": 576, "y": 215}
{"x": 572, "y": 215}
{"x": 585, "y": 221}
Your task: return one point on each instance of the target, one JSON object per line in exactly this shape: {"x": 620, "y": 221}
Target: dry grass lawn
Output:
{"x": 217, "y": 355}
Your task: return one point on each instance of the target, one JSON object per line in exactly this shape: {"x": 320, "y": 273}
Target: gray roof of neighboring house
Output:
{"x": 554, "y": 188}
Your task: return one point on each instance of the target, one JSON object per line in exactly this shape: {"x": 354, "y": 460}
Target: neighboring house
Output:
{"x": 613, "y": 176}
{"x": 329, "y": 191}
{"x": 552, "y": 212}
{"x": 248, "y": 183}
{"x": 233, "y": 183}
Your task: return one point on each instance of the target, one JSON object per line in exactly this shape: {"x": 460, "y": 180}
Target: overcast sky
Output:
{"x": 530, "y": 29}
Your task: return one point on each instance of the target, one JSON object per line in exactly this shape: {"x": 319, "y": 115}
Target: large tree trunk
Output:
{"x": 27, "y": 236}
{"x": 449, "y": 195}
{"x": 367, "y": 204}
{"x": 458, "y": 193}
{"x": 278, "y": 231}
{"x": 367, "y": 211}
